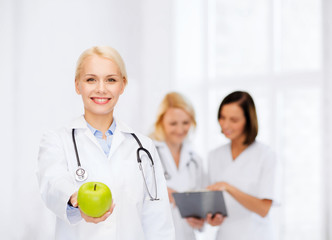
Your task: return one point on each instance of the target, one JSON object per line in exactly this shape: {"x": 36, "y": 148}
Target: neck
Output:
{"x": 238, "y": 147}
{"x": 173, "y": 147}
{"x": 99, "y": 122}
{"x": 238, "y": 143}
{"x": 175, "y": 151}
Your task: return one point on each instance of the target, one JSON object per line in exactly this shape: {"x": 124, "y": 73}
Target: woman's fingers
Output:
{"x": 195, "y": 222}
{"x": 98, "y": 219}
{"x": 214, "y": 220}
{"x": 219, "y": 186}
{"x": 170, "y": 195}
{"x": 73, "y": 199}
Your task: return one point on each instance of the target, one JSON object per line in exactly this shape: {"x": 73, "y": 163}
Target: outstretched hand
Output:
{"x": 97, "y": 219}
{"x": 73, "y": 201}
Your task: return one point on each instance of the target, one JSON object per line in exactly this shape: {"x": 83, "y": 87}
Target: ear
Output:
{"x": 124, "y": 84}
{"x": 77, "y": 87}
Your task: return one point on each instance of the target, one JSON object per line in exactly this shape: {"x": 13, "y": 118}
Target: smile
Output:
{"x": 100, "y": 100}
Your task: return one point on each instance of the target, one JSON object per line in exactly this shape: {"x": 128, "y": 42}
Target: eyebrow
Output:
{"x": 94, "y": 75}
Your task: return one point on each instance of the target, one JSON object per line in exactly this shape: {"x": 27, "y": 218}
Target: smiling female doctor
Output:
{"x": 106, "y": 152}
{"x": 181, "y": 164}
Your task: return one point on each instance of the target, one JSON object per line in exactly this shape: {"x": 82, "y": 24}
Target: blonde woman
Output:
{"x": 181, "y": 164}
{"x": 99, "y": 147}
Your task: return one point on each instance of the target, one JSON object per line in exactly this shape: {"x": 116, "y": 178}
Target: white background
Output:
{"x": 277, "y": 50}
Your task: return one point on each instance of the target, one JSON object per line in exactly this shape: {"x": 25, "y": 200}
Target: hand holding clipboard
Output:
{"x": 199, "y": 204}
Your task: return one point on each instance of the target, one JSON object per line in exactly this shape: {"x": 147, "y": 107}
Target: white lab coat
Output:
{"x": 134, "y": 216}
{"x": 256, "y": 172}
{"x": 188, "y": 177}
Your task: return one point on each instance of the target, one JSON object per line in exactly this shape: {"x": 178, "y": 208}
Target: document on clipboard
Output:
{"x": 199, "y": 204}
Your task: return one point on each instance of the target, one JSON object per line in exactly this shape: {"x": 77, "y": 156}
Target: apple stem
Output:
{"x": 95, "y": 187}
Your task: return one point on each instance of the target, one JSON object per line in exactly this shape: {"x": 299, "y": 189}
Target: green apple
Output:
{"x": 94, "y": 199}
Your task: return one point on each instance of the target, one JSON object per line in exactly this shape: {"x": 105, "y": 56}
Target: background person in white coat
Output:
{"x": 107, "y": 152}
{"x": 246, "y": 170}
{"x": 181, "y": 164}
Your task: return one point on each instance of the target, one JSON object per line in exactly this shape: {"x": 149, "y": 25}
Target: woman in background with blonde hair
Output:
{"x": 182, "y": 166}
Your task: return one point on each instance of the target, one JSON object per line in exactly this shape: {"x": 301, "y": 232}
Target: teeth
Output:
{"x": 100, "y": 100}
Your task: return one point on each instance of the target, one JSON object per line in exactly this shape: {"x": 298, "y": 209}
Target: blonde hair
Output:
{"x": 171, "y": 100}
{"x": 102, "y": 51}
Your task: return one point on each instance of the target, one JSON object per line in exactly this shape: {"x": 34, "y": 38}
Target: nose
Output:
{"x": 101, "y": 87}
{"x": 182, "y": 129}
{"x": 224, "y": 123}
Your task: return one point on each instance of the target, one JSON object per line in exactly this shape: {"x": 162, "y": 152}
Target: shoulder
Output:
{"x": 56, "y": 139}
{"x": 191, "y": 149}
{"x": 128, "y": 133}
{"x": 219, "y": 150}
{"x": 66, "y": 130}
{"x": 260, "y": 148}
{"x": 159, "y": 144}
{"x": 55, "y": 133}
{"x": 263, "y": 153}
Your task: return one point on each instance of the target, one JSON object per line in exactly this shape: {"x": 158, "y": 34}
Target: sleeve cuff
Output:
{"x": 73, "y": 214}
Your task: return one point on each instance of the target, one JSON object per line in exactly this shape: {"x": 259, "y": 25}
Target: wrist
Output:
{"x": 70, "y": 204}
{"x": 227, "y": 187}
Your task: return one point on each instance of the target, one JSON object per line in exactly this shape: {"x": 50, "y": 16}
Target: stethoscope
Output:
{"x": 81, "y": 174}
{"x": 167, "y": 175}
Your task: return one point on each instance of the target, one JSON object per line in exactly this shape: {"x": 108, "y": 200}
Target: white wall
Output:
{"x": 39, "y": 44}
{"x": 327, "y": 118}
{"x": 7, "y": 116}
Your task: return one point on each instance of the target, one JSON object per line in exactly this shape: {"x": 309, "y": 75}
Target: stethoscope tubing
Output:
{"x": 81, "y": 174}
{"x": 166, "y": 173}
{"x": 75, "y": 147}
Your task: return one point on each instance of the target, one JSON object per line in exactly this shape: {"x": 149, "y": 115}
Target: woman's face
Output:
{"x": 176, "y": 124}
{"x": 232, "y": 121}
{"x": 100, "y": 83}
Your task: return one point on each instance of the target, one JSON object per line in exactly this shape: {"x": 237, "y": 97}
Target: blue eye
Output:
{"x": 111, "y": 80}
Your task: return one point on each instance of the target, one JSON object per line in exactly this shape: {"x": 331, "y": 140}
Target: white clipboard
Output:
{"x": 199, "y": 204}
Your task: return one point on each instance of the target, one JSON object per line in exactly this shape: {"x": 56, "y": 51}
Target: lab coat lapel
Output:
{"x": 89, "y": 134}
{"x": 80, "y": 123}
{"x": 119, "y": 136}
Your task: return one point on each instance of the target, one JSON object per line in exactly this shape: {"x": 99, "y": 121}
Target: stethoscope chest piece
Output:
{"x": 167, "y": 176}
{"x": 80, "y": 174}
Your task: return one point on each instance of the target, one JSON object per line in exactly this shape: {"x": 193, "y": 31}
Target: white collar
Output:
{"x": 80, "y": 122}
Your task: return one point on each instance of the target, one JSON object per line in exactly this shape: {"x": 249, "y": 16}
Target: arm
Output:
{"x": 266, "y": 188}
{"x": 259, "y": 206}
{"x": 170, "y": 196}
{"x": 55, "y": 182}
